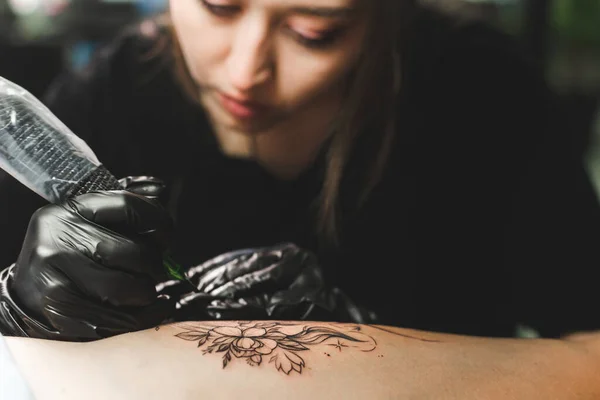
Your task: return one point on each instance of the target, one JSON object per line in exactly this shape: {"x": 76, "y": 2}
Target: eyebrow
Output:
{"x": 326, "y": 12}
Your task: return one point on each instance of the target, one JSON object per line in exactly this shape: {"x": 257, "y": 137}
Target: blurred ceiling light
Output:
{"x": 24, "y": 7}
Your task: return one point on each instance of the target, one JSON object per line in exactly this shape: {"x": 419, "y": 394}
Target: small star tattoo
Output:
{"x": 338, "y": 345}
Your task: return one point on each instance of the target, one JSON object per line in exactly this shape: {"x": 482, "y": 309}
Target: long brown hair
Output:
{"x": 371, "y": 96}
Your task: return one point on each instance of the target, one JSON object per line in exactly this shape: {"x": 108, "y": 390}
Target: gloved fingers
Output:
{"x": 155, "y": 313}
{"x": 259, "y": 307}
{"x": 232, "y": 264}
{"x": 318, "y": 304}
{"x": 118, "y": 320}
{"x": 307, "y": 290}
{"x": 130, "y": 255}
{"x": 310, "y": 279}
{"x": 273, "y": 267}
{"x": 247, "y": 285}
{"x": 172, "y": 288}
{"x": 81, "y": 317}
{"x": 148, "y": 186}
{"x": 101, "y": 263}
{"x": 85, "y": 319}
{"x": 197, "y": 300}
{"x": 252, "y": 308}
{"x": 277, "y": 276}
{"x": 300, "y": 311}
{"x": 285, "y": 256}
{"x": 219, "y": 261}
{"x": 217, "y": 274}
{"x": 123, "y": 212}
{"x": 118, "y": 288}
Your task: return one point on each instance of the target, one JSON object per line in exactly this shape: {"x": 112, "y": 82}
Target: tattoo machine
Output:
{"x": 38, "y": 150}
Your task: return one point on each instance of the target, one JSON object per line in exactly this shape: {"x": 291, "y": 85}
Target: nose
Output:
{"x": 250, "y": 62}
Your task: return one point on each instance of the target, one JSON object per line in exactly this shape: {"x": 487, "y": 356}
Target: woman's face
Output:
{"x": 261, "y": 62}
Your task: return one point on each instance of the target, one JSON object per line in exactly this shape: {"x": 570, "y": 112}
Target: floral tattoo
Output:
{"x": 280, "y": 343}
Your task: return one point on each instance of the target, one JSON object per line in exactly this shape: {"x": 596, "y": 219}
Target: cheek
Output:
{"x": 192, "y": 27}
{"x": 305, "y": 74}
{"x": 303, "y": 77}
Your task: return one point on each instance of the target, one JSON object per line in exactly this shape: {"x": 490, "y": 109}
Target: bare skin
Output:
{"x": 299, "y": 360}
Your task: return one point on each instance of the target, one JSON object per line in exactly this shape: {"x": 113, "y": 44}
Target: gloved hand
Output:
{"x": 280, "y": 282}
{"x": 88, "y": 268}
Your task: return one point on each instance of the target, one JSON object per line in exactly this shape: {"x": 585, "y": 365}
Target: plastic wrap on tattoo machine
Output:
{"x": 38, "y": 149}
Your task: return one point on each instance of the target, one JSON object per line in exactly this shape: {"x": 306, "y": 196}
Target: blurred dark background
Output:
{"x": 38, "y": 38}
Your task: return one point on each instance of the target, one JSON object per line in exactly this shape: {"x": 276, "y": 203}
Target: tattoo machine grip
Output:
{"x": 42, "y": 153}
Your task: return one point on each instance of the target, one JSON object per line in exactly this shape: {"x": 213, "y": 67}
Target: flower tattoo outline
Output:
{"x": 282, "y": 344}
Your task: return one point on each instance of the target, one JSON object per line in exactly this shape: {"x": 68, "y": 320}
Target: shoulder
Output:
{"x": 473, "y": 79}
{"x": 441, "y": 35}
{"x": 119, "y": 64}
{"x": 471, "y": 98}
{"x": 137, "y": 68}
{"x": 449, "y": 52}
{"x": 140, "y": 52}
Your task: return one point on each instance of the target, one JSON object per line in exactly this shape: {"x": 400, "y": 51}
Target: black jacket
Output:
{"x": 461, "y": 235}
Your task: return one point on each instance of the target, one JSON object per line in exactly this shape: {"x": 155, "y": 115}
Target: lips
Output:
{"x": 241, "y": 109}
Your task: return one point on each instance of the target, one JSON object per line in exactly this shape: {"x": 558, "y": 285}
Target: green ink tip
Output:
{"x": 174, "y": 270}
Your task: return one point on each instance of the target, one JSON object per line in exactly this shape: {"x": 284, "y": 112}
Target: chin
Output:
{"x": 251, "y": 127}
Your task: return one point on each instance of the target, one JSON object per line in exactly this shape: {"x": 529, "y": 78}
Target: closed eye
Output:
{"x": 220, "y": 10}
{"x": 324, "y": 39}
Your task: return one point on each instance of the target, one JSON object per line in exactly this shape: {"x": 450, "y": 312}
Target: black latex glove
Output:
{"x": 280, "y": 282}
{"x": 88, "y": 268}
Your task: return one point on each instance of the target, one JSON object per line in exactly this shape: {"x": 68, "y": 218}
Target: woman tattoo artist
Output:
{"x": 387, "y": 142}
